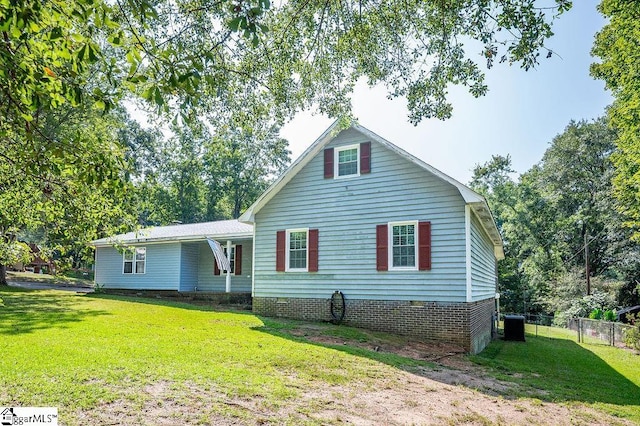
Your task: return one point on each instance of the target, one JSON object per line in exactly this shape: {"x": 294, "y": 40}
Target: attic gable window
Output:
{"x": 347, "y": 161}
{"x": 134, "y": 261}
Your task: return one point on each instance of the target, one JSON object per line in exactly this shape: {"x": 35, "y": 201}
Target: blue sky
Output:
{"x": 519, "y": 116}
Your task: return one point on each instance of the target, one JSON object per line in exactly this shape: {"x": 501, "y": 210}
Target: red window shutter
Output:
{"x": 382, "y": 248}
{"x": 424, "y": 246}
{"x": 313, "y": 250}
{"x": 328, "y": 163}
{"x": 281, "y": 241}
{"x": 365, "y": 157}
{"x": 238, "y": 260}
{"x": 216, "y": 270}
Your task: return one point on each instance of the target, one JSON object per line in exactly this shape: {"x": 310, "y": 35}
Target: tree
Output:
{"x": 268, "y": 61}
{"x": 210, "y": 174}
{"x": 617, "y": 46}
{"x": 241, "y": 162}
{"x": 220, "y": 58}
{"x": 545, "y": 217}
{"x": 71, "y": 200}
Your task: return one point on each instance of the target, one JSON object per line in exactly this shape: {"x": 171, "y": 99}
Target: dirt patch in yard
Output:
{"x": 450, "y": 390}
{"x": 396, "y": 399}
{"x": 452, "y": 366}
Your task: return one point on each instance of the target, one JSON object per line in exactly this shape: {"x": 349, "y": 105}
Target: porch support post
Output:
{"x": 228, "y": 282}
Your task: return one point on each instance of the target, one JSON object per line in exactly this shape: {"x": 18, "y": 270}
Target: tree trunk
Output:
{"x": 3, "y": 274}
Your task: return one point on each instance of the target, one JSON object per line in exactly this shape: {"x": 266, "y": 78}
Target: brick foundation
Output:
{"x": 464, "y": 324}
{"x": 215, "y": 298}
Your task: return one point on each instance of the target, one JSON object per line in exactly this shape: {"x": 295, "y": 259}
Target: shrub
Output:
{"x": 632, "y": 335}
{"x": 609, "y": 315}
{"x": 596, "y": 314}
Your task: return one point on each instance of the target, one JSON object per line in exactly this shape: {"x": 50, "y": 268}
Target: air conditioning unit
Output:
{"x": 514, "y": 327}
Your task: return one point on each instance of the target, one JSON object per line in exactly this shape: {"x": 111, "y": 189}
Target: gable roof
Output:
{"x": 222, "y": 229}
{"x": 476, "y": 201}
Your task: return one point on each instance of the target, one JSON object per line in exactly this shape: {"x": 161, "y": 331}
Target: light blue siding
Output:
{"x": 209, "y": 282}
{"x": 162, "y": 269}
{"x": 483, "y": 272}
{"x": 346, "y": 212}
{"x": 189, "y": 266}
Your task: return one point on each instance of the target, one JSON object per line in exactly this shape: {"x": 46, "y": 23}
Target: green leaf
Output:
{"x": 234, "y": 24}
{"x": 55, "y": 33}
{"x": 158, "y": 97}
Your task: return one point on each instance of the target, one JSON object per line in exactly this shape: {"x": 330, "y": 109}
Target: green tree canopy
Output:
{"x": 617, "y": 47}
{"x": 545, "y": 216}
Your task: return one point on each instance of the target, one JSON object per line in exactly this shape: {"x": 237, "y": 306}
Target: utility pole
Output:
{"x": 586, "y": 262}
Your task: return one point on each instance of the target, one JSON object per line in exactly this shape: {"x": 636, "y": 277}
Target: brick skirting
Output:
{"x": 464, "y": 324}
{"x": 216, "y": 298}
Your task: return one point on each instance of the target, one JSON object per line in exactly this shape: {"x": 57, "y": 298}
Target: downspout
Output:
{"x": 467, "y": 239}
{"x": 253, "y": 262}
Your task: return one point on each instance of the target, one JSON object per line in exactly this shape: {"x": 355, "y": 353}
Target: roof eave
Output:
{"x": 189, "y": 238}
{"x": 485, "y": 217}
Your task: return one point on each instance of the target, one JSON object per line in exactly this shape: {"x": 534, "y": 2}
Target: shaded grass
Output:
{"x": 556, "y": 368}
{"x": 57, "y": 280}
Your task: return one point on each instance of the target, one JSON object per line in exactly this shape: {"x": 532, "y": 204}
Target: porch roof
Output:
{"x": 222, "y": 229}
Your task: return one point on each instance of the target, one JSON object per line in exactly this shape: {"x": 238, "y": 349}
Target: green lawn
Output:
{"x": 100, "y": 357}
{"x": 79, "y": 352}
{"x": 552, "y": 366}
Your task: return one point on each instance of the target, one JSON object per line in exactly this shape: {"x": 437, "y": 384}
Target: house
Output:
{"x": 38, "y": 264}
{"x": 411, "y": 250}
{"x": 406, "y": 248}
{"x": 178, "y": 258}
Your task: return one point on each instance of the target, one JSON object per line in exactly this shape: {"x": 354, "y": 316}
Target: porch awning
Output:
{"x": 221, "y": 260}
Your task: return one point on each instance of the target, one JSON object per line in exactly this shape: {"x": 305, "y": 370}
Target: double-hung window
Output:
{"x": 347, "y": 161}
{"x": 232, "y": 259}
{"x": 297, "y": 254}
{"x": 403, "y": 246}
{"x": 404, "y": 251}
{"x": 297, "y": 250}
{"x": 134, "y": 260}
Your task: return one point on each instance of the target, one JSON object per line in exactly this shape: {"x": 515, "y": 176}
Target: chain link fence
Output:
{"x": 536, "y": 324}
{"x": 598, "y": 331}
{"x": 587, "y": 330}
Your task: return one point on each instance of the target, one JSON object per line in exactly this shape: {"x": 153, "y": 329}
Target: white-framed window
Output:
{"x": 232, "y": 258}
{"x": 297, "y": 253}
{"x": 403, "y": 244}
{"x": 347, "y": 161}
{"x": 134, "y": 260}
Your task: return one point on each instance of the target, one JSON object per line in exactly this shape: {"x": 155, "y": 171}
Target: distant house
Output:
{"x": 38, "y": 264}
{"x": 412, "y": 250}
{"x": 177, "y": 258}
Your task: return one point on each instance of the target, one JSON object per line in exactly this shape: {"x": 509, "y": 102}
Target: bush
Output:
{"x": 609, "y": 315}
{"x": 596, "y": 314}
{"x": 632, "y": 336}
